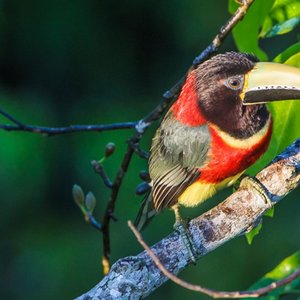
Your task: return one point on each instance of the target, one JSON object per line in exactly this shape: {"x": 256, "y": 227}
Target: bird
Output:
{"x": 217, "y": 128}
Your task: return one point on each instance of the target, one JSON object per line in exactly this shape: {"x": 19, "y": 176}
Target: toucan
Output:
{"x": 217, "y": 128}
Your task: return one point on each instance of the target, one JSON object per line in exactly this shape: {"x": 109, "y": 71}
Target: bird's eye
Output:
{"x": 234, "y": 83}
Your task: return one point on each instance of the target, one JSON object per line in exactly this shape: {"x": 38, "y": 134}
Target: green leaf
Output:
{"x": 293, "y": 9}
{"x": 78, "y": 195}
{"x": 286, "y": 54}
{"x": 286, "y": 126}
{"x": 90, "y": 202}
{"x": 255, "y": 231}
{"x": 281, "y": 3}
{"x": 282, "y": 28}
{"x": 285, "y": 268}
{"x": 266, "y": 27}
{"x": 286, "y": 114}
{"x": 232, "y": 6}
{"x": 289, "y": 9}
{"x": 270, "y": 212}
{"x": 294, "y": 60}
{"x": 278, "y": 14}
{"x": 246, "y": 33}
{"x": 282, "y": 11}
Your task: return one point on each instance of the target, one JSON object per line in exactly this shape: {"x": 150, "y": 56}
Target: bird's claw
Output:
{"x": 183, "y": 231}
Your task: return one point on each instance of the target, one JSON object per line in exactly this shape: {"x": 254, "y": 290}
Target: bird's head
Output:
{"x": 233, "y": 87}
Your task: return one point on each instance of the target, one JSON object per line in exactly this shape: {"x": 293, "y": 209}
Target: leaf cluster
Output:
{"x": 265, "y": 21}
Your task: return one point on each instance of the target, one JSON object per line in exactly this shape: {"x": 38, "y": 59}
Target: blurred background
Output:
{"x": 89, "y": 62}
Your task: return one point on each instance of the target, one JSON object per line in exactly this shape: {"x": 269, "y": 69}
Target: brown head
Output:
{"x": 233, "y": 87}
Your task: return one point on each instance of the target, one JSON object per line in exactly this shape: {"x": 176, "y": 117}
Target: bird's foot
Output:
{"x": 253, "y": 182}
{"x": 181, "y": 227}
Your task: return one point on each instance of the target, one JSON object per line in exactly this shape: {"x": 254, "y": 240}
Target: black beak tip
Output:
{"x": 260, "y": 96}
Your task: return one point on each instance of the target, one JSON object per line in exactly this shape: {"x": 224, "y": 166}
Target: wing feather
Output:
{"x": 177, "y": 153}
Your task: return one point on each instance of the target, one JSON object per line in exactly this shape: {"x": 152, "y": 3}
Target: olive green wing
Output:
{"x": 177, "y": 153}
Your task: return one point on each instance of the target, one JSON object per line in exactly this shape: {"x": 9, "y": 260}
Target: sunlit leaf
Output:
{"x": 280, "y": 20}
{"x": 283, "y": 28}
{"x": 281, "y": 3}
{"x": 251, "y": 234}
{"x": 285, "y": 268}
{"x": 294, "y": 60}
{"x": 270, "y": 212}
{"x": 286, "y": 114}
{"x": 290, "y": 8}
{"x": 266, "y": 27}
{"x": 278, "y": 14}
{"x": 256, "y": 230}
{"x": 246, "y": 32}
{"x": 293, "y": 9}
{"x": 286, "y": 54}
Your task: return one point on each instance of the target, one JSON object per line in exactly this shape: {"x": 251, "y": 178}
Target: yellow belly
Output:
{"x": 199, "y": 191}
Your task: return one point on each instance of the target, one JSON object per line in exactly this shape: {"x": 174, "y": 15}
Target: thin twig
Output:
{"x": 223, "y": 33}
{"x": 51, "y": 131}
{"x": 138, "y": 150}
{"x": 89, "y": 218}
{"x": 109, "y": 211}
{"x": 213, "y": 293}
{"x": 11, "y": 118}
{"x": 98, "y": 168}
{"x": 212, "y": 48}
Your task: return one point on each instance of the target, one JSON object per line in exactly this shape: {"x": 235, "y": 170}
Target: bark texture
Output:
{"x": 135, "y": 277}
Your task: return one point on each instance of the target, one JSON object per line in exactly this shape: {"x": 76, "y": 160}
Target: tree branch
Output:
{"x": 51, "y": 131}
{"x": 110, "y": 207}
{"x": 137, "y": 276}
{"x": 203, "y": 290}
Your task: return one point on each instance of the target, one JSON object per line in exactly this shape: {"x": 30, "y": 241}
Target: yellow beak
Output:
{"x": 268, "y": 82}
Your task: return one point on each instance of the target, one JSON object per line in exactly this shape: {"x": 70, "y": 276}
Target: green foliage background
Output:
{"x": 80, "y": 62}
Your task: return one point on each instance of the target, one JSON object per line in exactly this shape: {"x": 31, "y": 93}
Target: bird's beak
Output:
{"x": 268, "y": 82}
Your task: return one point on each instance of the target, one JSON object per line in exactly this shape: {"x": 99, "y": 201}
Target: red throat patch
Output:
{"x": 227, "y": 161}
{"x": 186, "y": 109}
{"x": 224, "y": 160}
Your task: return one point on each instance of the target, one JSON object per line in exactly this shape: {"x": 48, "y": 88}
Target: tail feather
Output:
{"x": 146, "y": 213}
